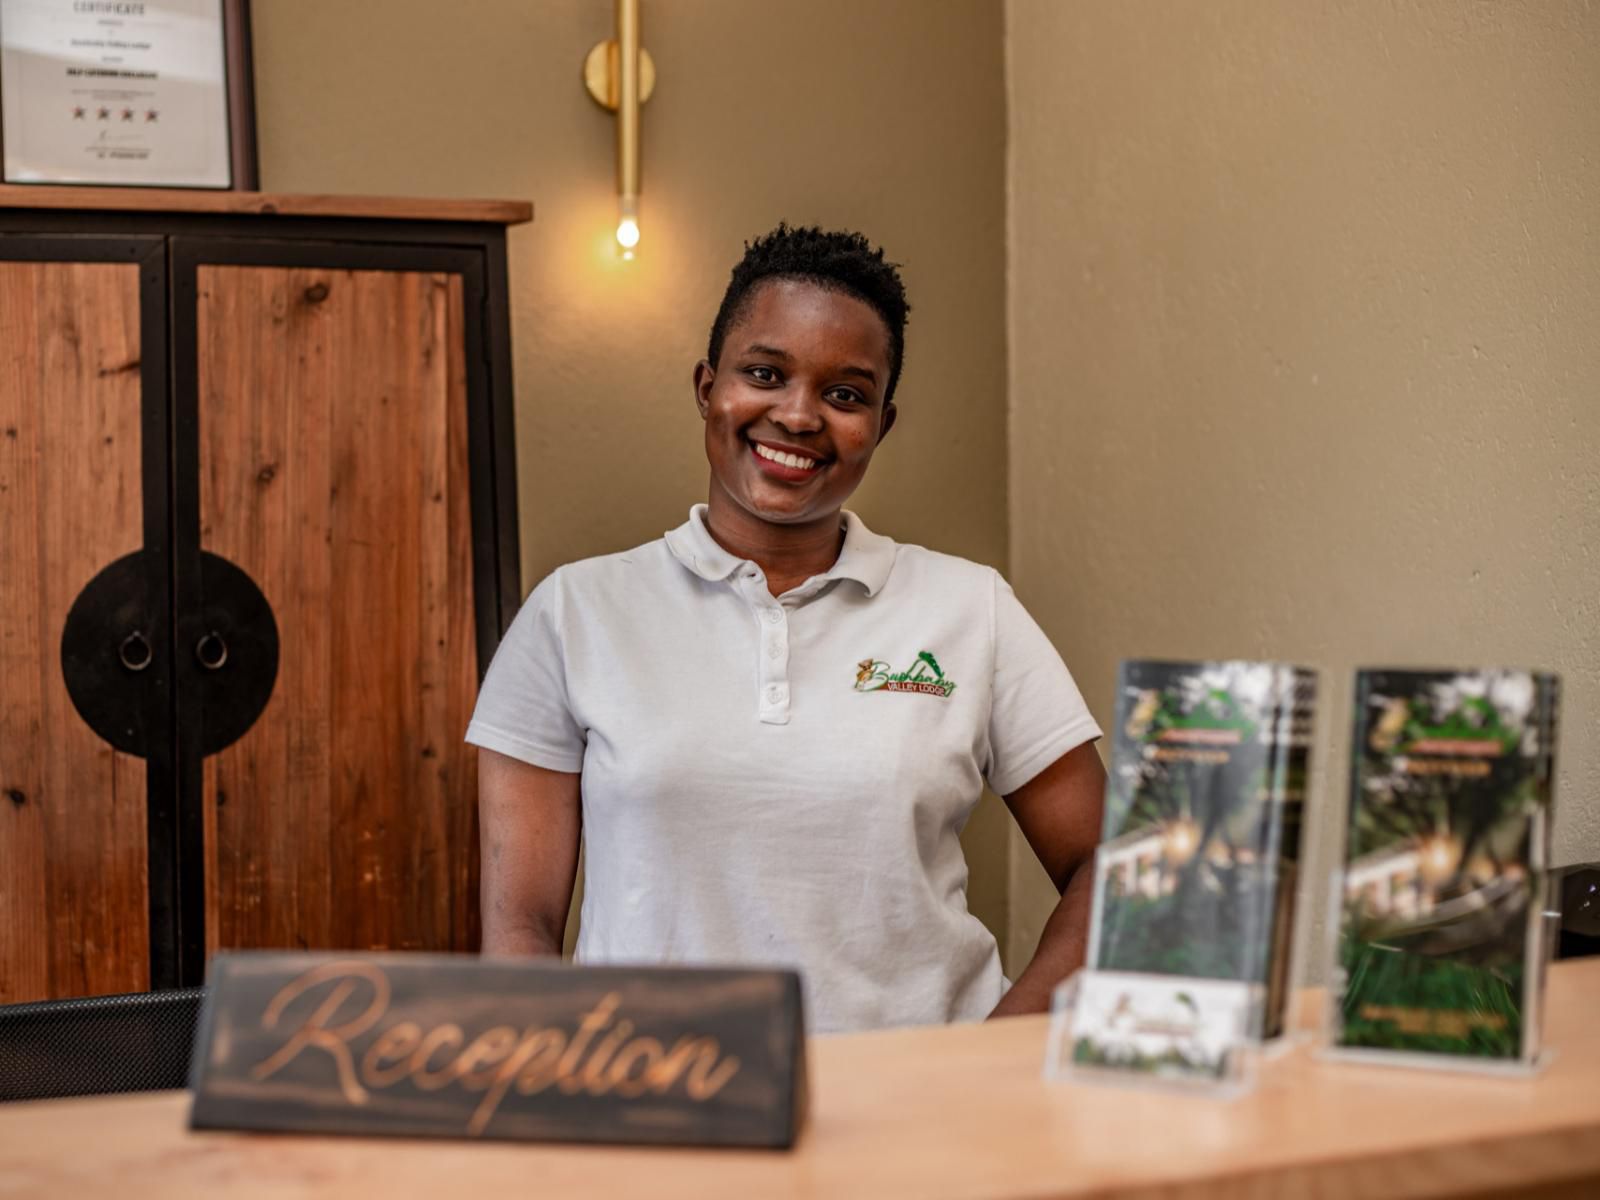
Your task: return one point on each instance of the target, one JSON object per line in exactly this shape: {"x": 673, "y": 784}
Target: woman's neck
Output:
{"x": 787, "y": 554}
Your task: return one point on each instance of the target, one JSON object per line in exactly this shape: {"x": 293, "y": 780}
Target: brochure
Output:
{"x": 1196, "y": 873}
{"x": 1442, "y": 941}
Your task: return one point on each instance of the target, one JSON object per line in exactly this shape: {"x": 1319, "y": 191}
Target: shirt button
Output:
{"x": 774, "y": 649}
{"x": 773, "y": 616}
{"x": 775, "y": 693}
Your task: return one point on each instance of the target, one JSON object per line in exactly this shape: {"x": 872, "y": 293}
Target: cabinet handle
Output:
{"x": 211, "y": 650}
{"x": 135, "y": 652}
{"x": 114, "y": 659}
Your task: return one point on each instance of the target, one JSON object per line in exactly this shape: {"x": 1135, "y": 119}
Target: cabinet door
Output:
{"x": 330, "y": 415}
{"x": 83, "y": 422}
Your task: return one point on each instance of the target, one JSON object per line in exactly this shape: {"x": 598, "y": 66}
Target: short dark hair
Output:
{"x": 836, "y": 259}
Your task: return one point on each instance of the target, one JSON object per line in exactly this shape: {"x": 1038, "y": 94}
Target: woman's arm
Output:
{"x": 1059, "y": 811}
{"x": 529, "y": 819}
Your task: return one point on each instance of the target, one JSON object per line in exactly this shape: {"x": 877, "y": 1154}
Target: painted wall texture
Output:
{"x": 888, "y": 117}
{"x": 1303, "y": 302}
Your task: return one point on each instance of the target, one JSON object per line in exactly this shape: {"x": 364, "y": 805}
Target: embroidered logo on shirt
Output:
{"x": 923, "y": 675}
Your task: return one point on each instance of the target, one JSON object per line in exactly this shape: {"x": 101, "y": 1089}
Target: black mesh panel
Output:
{"x": 134, "y": 1043}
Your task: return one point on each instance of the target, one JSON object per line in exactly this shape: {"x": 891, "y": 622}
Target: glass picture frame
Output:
{"x": 127, "y": 93}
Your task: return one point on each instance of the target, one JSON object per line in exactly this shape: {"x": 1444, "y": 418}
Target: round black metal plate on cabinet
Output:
{"x": 227, "y": 653}
{"x": 110, "y": 639}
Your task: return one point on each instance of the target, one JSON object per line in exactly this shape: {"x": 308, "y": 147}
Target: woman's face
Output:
{"x": 794, "y": 408}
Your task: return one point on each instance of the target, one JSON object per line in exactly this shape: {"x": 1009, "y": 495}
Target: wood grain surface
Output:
{"x": 944, "y": 1112}
{"x": 74, "y": 917}
{"x": 333, "y": 469}
{"x": 174, "y": 200}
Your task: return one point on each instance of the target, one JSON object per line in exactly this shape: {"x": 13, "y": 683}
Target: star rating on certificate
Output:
{"x": 151, "y": 115}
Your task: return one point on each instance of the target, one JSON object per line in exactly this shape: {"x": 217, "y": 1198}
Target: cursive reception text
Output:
{"x": 348, "y": 1000}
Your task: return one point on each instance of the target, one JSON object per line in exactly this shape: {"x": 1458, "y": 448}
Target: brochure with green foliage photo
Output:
{"x": 1441, "y": 937}
{"x": 1197, "y": 869}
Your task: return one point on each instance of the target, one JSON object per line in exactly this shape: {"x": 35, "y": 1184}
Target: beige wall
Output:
{"x": 1301, "y": 301}
{"x": 886, "y": 116}
{"x": 1304, "y": 302}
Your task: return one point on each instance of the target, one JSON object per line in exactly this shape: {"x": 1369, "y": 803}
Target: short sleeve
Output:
{"x": 524, "y": 709}
{"x": 1037, "y": 713}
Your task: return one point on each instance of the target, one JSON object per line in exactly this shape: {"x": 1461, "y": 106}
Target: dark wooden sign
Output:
{"x": 454, "y": 1046}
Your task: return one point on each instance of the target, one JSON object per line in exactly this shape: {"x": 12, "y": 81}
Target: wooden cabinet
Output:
{"x": 257, "y": 543}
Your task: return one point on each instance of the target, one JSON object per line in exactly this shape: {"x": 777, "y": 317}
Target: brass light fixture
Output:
{"x": 620, "y": 75}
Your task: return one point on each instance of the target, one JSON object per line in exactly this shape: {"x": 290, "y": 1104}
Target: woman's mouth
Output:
{"x": 784, "y": 464}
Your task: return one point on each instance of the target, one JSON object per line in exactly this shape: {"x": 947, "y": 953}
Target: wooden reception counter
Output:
{"x": 957, "y": 1112}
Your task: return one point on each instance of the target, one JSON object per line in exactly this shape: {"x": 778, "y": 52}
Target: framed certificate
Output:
{"x": 127, "y": 93}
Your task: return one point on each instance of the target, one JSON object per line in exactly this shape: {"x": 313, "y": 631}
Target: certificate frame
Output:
{"x": 238, "y": 92}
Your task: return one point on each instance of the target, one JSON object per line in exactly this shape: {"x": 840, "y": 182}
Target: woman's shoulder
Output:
{"x": 950, "y": 570}
{"x": 913, "y": 561}
{"x": 588, "y": 579}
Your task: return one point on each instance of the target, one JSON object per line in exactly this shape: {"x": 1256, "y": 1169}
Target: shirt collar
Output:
{"x": 866, "y": 557}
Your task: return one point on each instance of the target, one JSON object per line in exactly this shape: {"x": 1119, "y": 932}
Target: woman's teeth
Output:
{"x": 788, "y": 460}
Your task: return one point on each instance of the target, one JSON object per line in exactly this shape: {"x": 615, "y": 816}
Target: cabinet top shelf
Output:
{"x": 183, "y": 200}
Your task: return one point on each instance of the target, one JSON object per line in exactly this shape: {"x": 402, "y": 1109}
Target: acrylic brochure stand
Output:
{"x": 1195, "y": 876}
{"x": 1439, "y": 921}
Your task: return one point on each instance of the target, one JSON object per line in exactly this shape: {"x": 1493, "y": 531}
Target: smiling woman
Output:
{"x": 792, "y": 419}
{"x": 772, "y": 724}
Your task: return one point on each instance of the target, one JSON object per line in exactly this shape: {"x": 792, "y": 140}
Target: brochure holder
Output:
{"x": 1195, "y": 879}
{"x": 1440, "y": 907}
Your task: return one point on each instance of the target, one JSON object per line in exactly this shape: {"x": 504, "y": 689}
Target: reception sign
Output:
{"x": 453, "y": 1046}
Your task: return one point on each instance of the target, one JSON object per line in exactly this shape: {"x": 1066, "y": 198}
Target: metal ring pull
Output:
{"x": 211, "y": 650}
{"x": 135, "y": 652}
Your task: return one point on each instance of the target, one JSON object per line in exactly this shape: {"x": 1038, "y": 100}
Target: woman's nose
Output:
{"x": 799, "y": 410}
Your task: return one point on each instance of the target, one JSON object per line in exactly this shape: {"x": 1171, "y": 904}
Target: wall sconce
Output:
{"x": 620, "y": 75}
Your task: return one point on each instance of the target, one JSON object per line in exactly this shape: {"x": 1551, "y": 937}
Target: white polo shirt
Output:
{"x": 783, "y": 781}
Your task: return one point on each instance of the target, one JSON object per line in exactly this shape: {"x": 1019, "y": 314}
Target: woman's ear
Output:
{"x": 890, "y": 412}
{"x": 704, "y": 376}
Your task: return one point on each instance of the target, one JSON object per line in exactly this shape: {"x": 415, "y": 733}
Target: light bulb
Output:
{"x": 628, "y": 225}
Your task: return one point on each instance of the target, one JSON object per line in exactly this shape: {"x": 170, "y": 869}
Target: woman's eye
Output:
{"x": 846, "y": 396}
{"x": 763, "y": 374}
